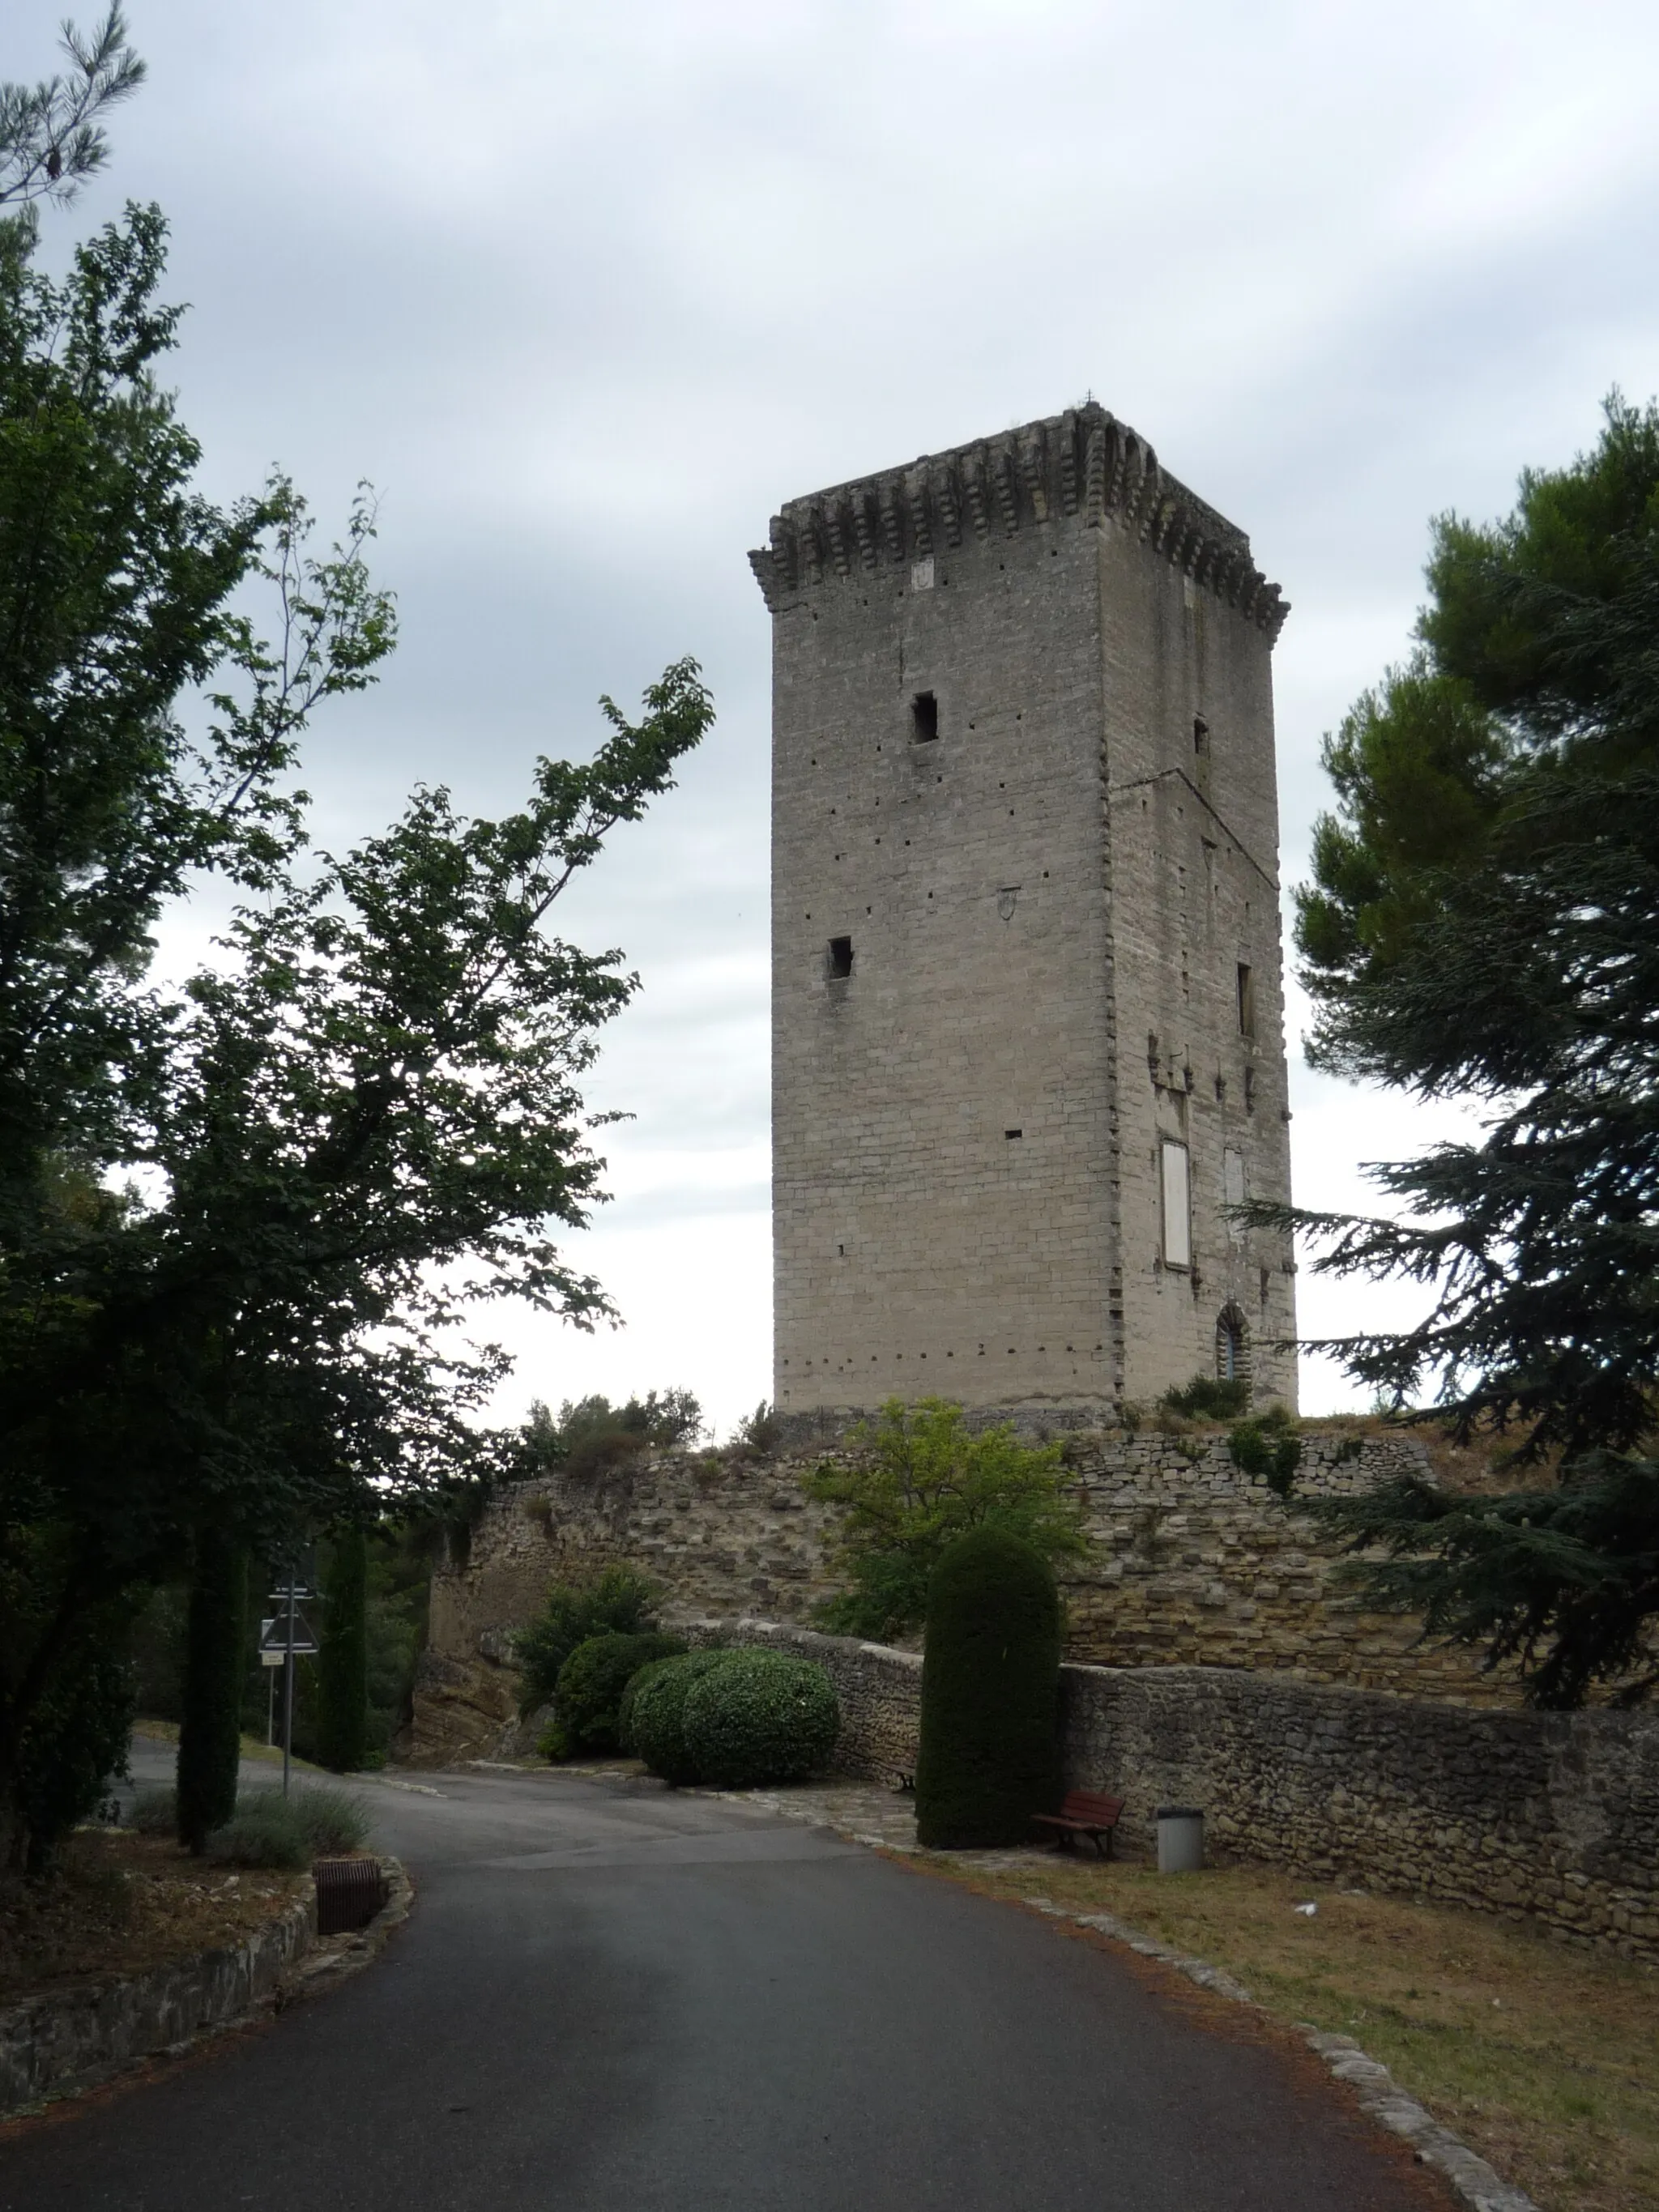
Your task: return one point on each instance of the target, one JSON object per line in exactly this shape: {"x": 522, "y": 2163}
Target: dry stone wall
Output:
{"x": 1190, "y": 1562}
{"x": 1548, "y": 1817}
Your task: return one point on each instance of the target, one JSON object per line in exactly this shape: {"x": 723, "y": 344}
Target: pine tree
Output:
{"x": 1483, "y": 922}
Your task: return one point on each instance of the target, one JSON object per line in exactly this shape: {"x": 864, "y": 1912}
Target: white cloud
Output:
{"x": 589, "y": 292}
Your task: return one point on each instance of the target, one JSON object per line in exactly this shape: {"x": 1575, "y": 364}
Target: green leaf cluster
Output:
{"x": 1484, "y": 922}
{"x": 920, "y": 1479}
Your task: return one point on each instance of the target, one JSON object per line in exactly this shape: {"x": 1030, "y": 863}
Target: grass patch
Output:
{"x": 1541, "y": 2056}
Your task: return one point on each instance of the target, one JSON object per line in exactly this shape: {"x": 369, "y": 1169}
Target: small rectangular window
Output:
{"x": 924, "y": 716}
{"x": 1177, "y": 1205}
{"x": 1246, "y": 1001}
{"x": 840, "y": 958}
{"x": 1013, "y": 1133}
{"x": 1200, "y": 734}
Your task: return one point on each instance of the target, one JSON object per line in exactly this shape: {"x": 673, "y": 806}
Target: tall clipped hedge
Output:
{"x": 211, "y": 1729}
{"x": 343, "y": 1658}
{"x": 990, "y": 1695}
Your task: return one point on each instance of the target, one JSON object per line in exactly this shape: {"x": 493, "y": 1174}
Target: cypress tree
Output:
{"x": 343, "y": 1657}
{"x": 211, "y": 1729}
{"x": 990, "y": 1695}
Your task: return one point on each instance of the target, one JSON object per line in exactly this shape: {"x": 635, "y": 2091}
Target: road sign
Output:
{"x": 274, "y": 1639}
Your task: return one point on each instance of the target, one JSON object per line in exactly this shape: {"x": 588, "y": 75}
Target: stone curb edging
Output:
{"x": 64, "y": 2043}
{"x": 1480, "y": 2185}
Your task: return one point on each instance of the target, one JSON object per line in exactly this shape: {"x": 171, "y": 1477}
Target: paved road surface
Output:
{"x": 611, "y": 1999}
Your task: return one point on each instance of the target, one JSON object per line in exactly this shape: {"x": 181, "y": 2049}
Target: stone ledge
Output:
{"x": 66, "y": 2042}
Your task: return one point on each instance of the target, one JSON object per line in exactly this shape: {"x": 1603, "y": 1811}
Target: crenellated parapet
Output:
{"x": 1081, "y": 466}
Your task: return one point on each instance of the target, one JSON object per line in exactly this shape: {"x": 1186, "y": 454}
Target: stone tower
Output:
{"x": 1027, "y": 1026}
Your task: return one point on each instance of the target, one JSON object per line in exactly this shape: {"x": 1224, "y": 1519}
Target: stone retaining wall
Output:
{"x": 1549, "y": 1817}
{"x": 71, "y": 2039}
{"x": 1190, "y": 1561}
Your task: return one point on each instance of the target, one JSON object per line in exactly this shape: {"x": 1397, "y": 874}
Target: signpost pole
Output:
{"x": 287, "y": 1680}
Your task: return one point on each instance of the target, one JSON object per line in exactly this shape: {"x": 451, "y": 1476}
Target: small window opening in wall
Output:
{"x": 1013, "y": 1133}
{"x": 1232, "y": 1347}
{"x": 840, "y": 958}
{"x": 1250, "y": 1090}
{"x": 1200, "y": 734}
{"x": 1246, "y": 1001}
{"x": 924, "y": 716}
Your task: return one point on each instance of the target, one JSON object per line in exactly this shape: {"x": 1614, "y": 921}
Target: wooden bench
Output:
{"x": 1084, "y": 1812}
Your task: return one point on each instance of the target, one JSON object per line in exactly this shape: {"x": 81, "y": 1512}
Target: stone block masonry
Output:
{"x": 1027, "y": 1036}
{"x": 1189, "y": 1561}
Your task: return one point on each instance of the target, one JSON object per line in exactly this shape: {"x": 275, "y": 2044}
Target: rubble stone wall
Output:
{"x": 1190, "y": 1561}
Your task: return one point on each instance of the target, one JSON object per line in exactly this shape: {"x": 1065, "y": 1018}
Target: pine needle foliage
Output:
{"x": 1484, "y": 922}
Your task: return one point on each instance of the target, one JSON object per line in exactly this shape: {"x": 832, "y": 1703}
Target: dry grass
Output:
{"x": 1544, "y": 2058}
{"x": 121, "y": 1902}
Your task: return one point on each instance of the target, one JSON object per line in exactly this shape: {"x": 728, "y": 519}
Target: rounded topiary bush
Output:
{"x": 636, "y": 1683}
{"x": 763, "y": 1716}
{"x": 990, "y": 1757}
{"x": 593, "y": 1679}
{"x": 656, "y": 1716}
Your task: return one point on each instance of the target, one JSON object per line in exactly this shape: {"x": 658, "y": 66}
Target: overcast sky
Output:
{"x": 588, "y": 292}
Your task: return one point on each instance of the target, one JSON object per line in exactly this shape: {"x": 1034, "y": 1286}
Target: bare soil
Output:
{"x": 119, "y": 1903}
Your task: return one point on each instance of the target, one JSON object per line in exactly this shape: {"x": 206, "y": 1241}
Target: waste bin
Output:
{"x": 1180, "y": 1839}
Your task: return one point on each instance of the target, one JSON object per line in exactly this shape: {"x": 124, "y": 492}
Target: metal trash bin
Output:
{"x": 1180, "y": 1839}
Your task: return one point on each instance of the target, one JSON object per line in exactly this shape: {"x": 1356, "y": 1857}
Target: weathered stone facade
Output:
{"x": 1027, "y": 1023}
{"x": 1548, "y": 1817}
{"x": 1190, "y": 1561}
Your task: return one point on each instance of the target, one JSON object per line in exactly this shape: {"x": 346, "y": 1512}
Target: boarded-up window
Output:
{"x": 1177, "y": 1207}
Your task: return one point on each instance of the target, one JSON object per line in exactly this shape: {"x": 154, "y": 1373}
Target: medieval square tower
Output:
{"x": 1027, "y": 1020}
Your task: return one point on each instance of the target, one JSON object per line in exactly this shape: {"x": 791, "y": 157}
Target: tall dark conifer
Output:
{"x": 210, "y": 1732}
{"x": 343, "y": 1657}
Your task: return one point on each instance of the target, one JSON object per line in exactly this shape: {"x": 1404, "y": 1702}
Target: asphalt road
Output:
{"x": 615, "y": 1999}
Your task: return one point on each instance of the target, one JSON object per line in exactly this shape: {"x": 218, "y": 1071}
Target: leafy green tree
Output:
{"x": 366, "y": 1114}
{"x": 920, "y": 1479}
{"x": 210, "y": 1730}
{"x": 1483, "y": 922}
{"x": 591, "y": 1434}
{"x": 342, "y": 1657}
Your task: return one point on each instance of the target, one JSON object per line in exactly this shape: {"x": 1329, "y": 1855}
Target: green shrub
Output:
{"x": 622, "y": 1599}
{"x": 990, "y": 1757}
{"x": 155, "y": 1810}
{"x": 262, "y": 1833}
{"x": 555, "y": 1743}
{"x": 333, "y": 1819}
{"x": 657, "y": 1718}
{"x": 1269, "y": 1446}
{"x": 594, "y": 1678}
{"x": 763, "y": 1716}
{"x": 636, "y": 1683}
{"x": 1207, "y": 1398}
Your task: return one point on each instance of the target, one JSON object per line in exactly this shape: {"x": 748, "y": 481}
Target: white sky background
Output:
{"x": 588, "y": 292}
